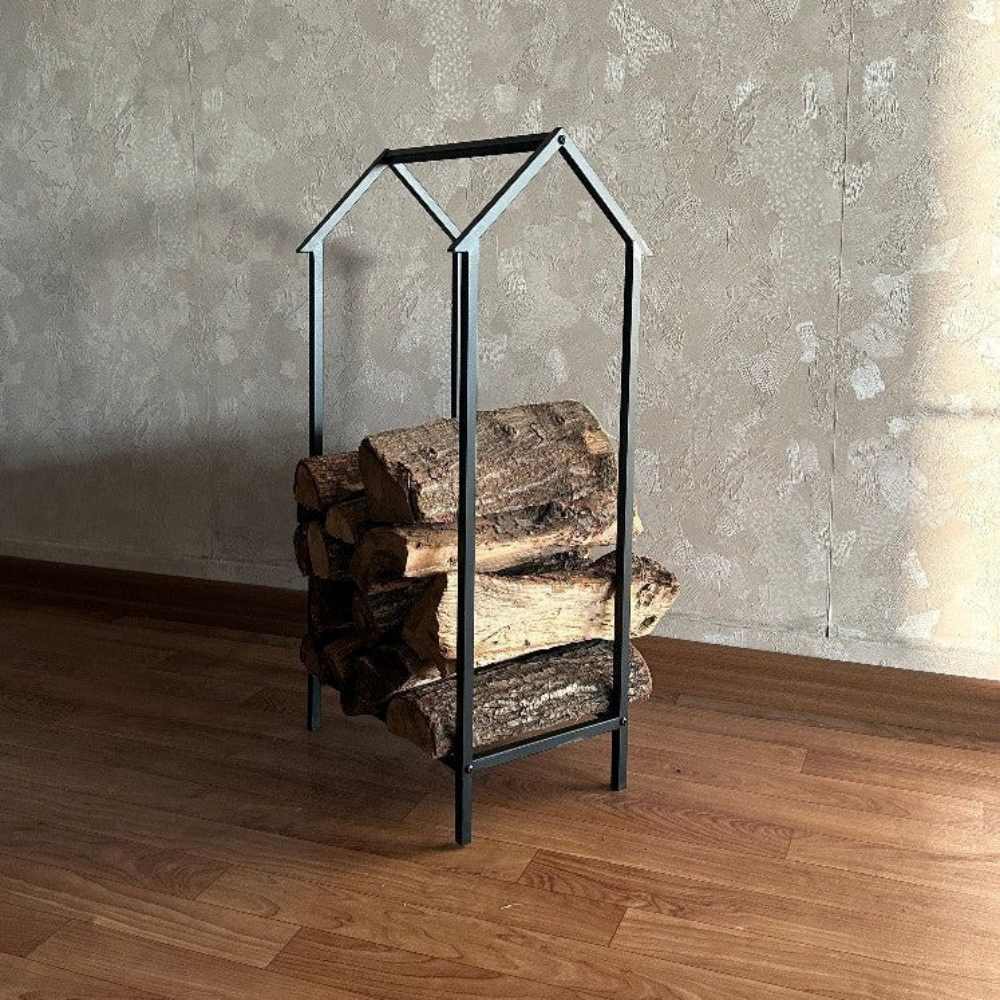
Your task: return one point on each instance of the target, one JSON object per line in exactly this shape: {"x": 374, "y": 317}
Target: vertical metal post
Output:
{"x": 468, "y": 309}
{"x": 456, "y": 281}
{"x": 623, "y": 547}
{"x": 316, "y": 401}
{"x": 316, "y": 390}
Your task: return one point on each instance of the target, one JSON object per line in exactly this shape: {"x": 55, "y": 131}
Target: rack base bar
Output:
{"x": 539, "y": 744}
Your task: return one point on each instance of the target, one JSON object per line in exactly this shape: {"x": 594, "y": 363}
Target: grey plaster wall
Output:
{"x": 819, "y": 450}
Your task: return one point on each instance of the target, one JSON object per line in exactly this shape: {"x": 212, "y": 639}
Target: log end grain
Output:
{"x": 322, "y": 480}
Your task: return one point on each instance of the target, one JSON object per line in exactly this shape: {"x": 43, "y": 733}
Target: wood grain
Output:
{"x": 793, "y": 830}
{"x": 189, "y": 924}
{"x": 381, "y": 971}
{"x": 24, "y": 979}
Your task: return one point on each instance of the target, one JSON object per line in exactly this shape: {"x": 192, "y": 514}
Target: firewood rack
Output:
{"x": 464, "y": 247}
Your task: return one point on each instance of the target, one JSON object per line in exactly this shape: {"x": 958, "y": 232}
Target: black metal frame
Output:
{"x": 464, "y": 247}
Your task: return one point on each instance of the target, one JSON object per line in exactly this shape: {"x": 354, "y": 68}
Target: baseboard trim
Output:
{"x": 274, "y": 610}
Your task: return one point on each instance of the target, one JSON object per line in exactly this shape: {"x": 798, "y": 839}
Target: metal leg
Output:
{"x": 314, "y": 703}
{"x": 467, "y": 323}
{"x": 619, "y": 759}
{"x": 623, "y": 546}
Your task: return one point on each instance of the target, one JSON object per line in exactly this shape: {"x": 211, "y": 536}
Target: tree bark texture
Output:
{"x": 387, "y": 552}
{"x": 516, "y": 614}
{"x": 517, "y": 698}
{"x": 328, "y": 558}
{"x": 528, "y": 456}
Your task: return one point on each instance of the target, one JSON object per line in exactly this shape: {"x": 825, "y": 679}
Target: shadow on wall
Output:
{"x": 127, "y": 440}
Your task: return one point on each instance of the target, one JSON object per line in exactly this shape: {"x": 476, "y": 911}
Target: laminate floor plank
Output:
{"x": 884, "y": 772}
{"x": 964, "y": 946}
{"x": 177, "y": 973}
{"x": 190, "y": 924}
{"x": 98, "y": 855}
{"x": 378, "y": 971}
{"x": 25, "y": 924}
{"x": 780, "y": 963}
{"x": 229, "y": 843}
{"x": 535, "y": 955}
{"x": 24, "y": 979}
{"x": 823, "y": 736}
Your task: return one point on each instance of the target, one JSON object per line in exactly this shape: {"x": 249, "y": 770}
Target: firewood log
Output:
{"x": 328, "y": 658}
{"x": 328, "y": 606}
{"x": 528, "y": 456}
{"x": 381, "y": 610}
{"x": 516, "y": 698}
{"x": 328, "y": 558}
{"x": 322, "y": 480}
{"x": 300, "y": 544}
{"x": 345, "y": 520}
{"x": 516, "y": 614}
{"x": 372, "y": 675}
{"x": 388, "y": 552}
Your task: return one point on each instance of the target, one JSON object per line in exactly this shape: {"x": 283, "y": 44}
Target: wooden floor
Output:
{"x": 793, "y": 829}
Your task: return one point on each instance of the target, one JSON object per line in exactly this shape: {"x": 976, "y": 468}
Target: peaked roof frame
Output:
{"x": 464, "y": 245}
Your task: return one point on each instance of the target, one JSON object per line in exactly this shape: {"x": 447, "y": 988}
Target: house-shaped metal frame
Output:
{"x": 464, "y": 246}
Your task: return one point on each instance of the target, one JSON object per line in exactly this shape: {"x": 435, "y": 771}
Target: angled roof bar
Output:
{"x": 605, "y": 200}
{"x": 516, "y": 183}
{"x": 434, "y": 210}
{"x": 556, "y": 141}
{"x": 460, "y": 150}
{"x": 350, "y": 199}
{"x": 354, "y": 194}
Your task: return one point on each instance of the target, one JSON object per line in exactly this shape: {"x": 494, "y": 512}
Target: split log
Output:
{"x": 322, "y": 480}
{"x": 328, "y": 558}
{"x": 502, "y": 540}
{"x": 300, "y": 544}
{"x": 381, "y": 610}
{"x": 371, "y": 676}
{"x": 517, "y": 698}
{"x": 528, "y": 456}
{"x": 516, "y": 614}
{"x": 344, "y": 520}
{"x": 328, "y": 606}
{"x": 328, "y": 660}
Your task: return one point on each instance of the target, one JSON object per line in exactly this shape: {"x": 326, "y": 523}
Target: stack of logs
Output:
{"x": 378, "y": 540}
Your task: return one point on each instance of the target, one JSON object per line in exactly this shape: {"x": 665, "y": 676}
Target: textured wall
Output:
{"x": 820, "y": 361}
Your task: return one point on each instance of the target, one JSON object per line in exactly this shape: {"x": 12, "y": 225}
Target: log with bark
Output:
{"x": 322, "y": 480}
{"x": 517, "y": 698}
{"x": 518, "y": 613}
{"x": 372, "y": 675}
{"x": 381, "y": 610}
{"x": 328, "y": 558}
{"x": 528, "y": 456}
{"x": 329, "y": 606}
{"x": 345, "y": 520}
{"x": 387, "y": 552}
{"x": 329, "y": 658}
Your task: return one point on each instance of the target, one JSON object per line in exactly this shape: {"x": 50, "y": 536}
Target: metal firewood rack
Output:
{"x": 464, "y": 246}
